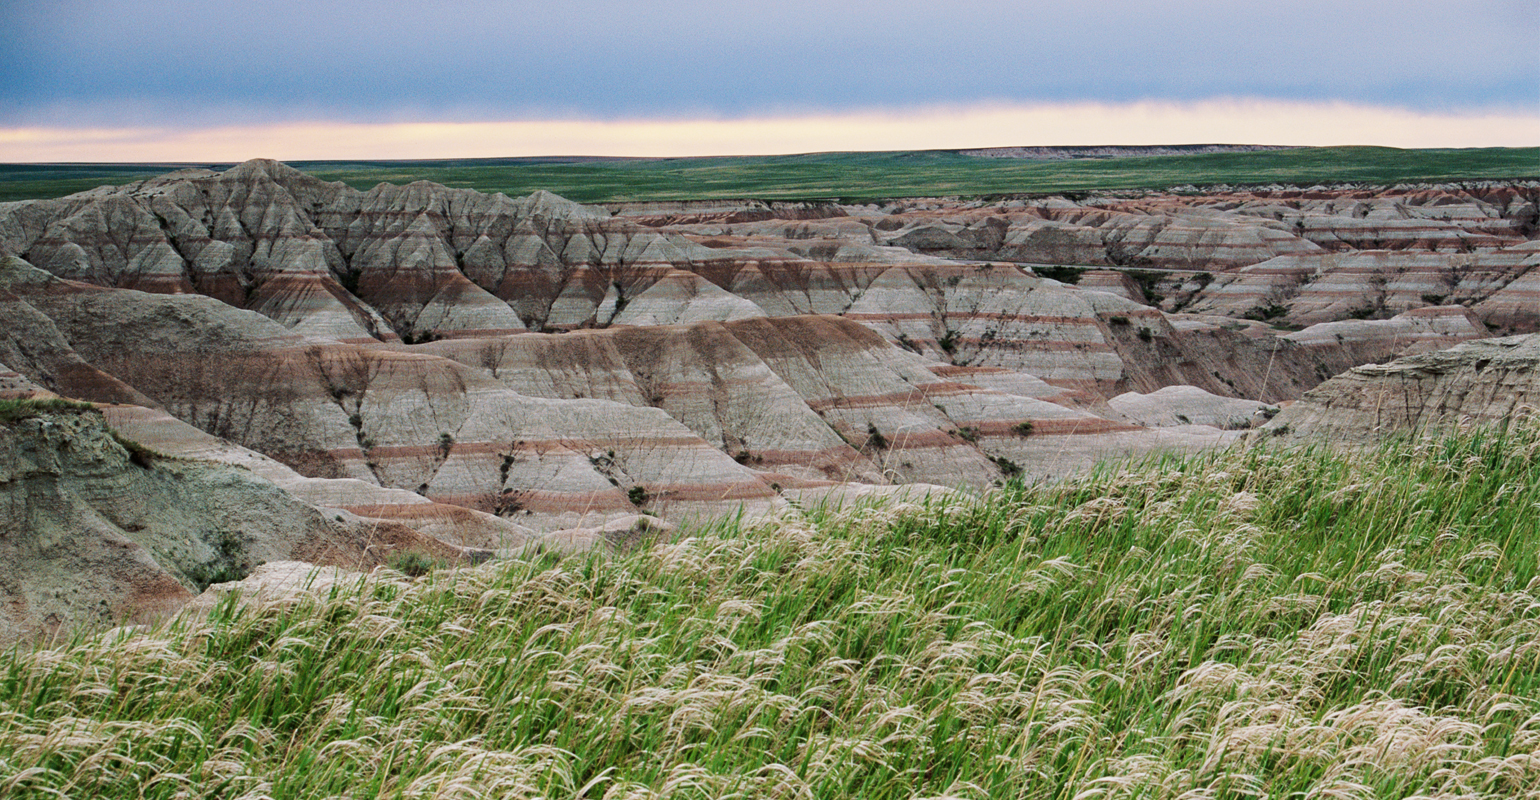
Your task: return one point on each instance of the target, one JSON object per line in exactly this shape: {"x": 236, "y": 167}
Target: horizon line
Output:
{"x": 185, "y": 163}
{"x": 934, "y": 128}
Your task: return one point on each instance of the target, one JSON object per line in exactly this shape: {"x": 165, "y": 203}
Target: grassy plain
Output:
{"x": 856, "y": 176}
{"x": 1261, "y": 622}
{"x": 41, "y": 181}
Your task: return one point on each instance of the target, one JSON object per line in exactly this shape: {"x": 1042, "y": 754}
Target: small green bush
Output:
{"x": 1265, "y": 313}
{"x": 413, "y": 563}
{"x": 948, "y": 341}
{"x": 1070, "y": 275}
{"x": 1008, "y": 468}
{"x": 638, "y": 495}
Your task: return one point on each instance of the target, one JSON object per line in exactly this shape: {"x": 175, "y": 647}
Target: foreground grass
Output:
{"x": 856, "y": 176}
{"x": 1278, "y": 623}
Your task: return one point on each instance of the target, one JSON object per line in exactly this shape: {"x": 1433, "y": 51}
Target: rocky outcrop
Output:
{"x": 1491, "y": 380}
{"x": 805, "y": 399}
{"x": 1346, "y": 344}
{"x": 455, "y": 525}
{"x": 96, "y": 529}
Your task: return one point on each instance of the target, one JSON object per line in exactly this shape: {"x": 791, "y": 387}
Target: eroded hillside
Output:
{"x": 487, "y": 369}
{"x": 538, "y": 357}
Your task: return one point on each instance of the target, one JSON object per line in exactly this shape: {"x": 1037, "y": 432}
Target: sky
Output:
{"x": 192, "y": 80}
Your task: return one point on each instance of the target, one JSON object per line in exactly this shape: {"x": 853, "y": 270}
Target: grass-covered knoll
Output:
{"x": 879, "y": 175}
{"x": 1267, "y": 622}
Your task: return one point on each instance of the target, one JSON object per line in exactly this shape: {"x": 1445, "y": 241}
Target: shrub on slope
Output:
{"x": 1267, "y": 622}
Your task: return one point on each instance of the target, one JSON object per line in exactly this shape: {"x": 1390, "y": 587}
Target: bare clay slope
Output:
{"x": 464, "y": 370}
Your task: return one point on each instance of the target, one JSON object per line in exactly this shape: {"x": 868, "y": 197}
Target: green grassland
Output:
{"x": 859, "y": 176}
{"x": 1260, "y": 622}
{"x": 41, "y": 181}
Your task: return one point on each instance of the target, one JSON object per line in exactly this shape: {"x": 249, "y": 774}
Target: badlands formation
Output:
{"x": 435, "y": 370}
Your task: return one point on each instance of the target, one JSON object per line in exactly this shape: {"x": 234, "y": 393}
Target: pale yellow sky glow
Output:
{"x": 1219, "y": 121}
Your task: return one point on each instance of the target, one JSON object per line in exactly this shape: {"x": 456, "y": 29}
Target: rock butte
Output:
{"x": 477, "y": 374}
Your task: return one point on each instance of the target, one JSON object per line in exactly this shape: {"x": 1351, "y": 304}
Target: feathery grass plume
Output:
{"x": 1261, "y": 622}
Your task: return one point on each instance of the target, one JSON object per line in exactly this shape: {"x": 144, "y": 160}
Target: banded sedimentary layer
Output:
{"x": 475, "y": 372}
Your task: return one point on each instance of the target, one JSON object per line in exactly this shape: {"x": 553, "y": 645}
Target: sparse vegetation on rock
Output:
{"x": 12, "y": 410}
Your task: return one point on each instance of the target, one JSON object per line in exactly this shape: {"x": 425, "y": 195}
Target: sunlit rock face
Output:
{"x": 487, "y": 369}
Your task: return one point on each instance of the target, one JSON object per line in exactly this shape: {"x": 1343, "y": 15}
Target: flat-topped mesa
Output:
{"x": 1486, "y": 381}
{"x": 1059, "y": 153}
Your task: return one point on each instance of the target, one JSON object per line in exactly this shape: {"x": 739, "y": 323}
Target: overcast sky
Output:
{"x": 109, "y": 76}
